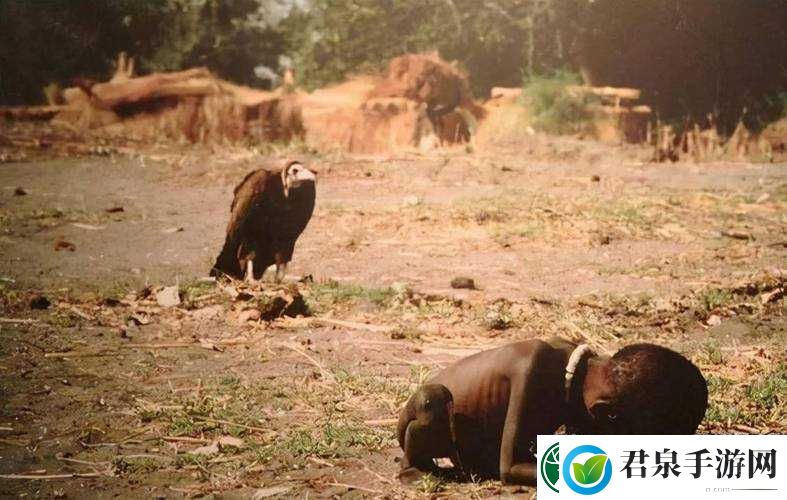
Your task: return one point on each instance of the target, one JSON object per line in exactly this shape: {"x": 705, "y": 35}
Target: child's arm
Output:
{"x": 510, "y": 472}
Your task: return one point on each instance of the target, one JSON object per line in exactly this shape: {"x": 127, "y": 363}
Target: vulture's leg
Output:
{"x": 281, "y": 270}
{"x": 250, "y": 271}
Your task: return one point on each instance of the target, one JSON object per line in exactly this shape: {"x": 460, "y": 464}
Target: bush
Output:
{"x": 554, "y": 110}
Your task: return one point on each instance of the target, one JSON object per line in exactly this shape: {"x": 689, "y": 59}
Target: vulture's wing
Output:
{"x": 249, "y": 209}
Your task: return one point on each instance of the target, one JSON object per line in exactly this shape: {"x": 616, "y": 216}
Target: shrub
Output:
{"x": 553, "y": 108}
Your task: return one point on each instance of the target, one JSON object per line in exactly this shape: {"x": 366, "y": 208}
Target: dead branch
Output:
{"x": 32, "y": 477}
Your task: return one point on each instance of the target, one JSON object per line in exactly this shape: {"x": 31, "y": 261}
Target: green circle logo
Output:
{"x": 550, "y": 466}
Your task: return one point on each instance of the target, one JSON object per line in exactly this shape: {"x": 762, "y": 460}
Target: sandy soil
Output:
{"x": 595, "y": 245}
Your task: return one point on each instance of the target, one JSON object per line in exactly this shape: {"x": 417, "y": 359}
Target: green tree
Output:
{"x": 55, "y": 40}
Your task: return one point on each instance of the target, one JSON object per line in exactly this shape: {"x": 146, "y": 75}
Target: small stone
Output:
{"x": 229, "y": 441}
{"x": 463, "y": 282}
{"x": 168, "y": 297}
{"x": 411, "y": 201}
{"x": 61, "y": 244}
{"x": 39, "y": 302}
{"x": 249, "y": 315}
{"x": 713, "y": 320}
{"x": 210, "y": 449}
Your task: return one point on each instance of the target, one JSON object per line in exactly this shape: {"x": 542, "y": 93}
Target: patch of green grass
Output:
{"x": 193, "y": 290}
{"x": 770, "y": 391}
{"x": 499, "y": 316}
{"x": 333, "y": 292}
{"x": 136, "y": 465}
{"x": 719, "y": 410}
{"x": 715, "y": 298}
{"x": 185, "y": 459}
{"x": 504, "y": 233}
{"x": 195, "y": 413}
{"x": 628, "y": 214}
{"x": 9, "y": 298}
{"x": 64, "y": 319}
{"x": 343, "y": 439}
{"x": 484, "y": 210}
{"x": 229, "y": 382}
{"x": 711, "y": 351}
{"x": 720, "y": 413}
{"x": 430, "y": 484}
{"x": 373, "y": 386}
{"x": 755, "y": 402}
{"x": 185, "y": 425}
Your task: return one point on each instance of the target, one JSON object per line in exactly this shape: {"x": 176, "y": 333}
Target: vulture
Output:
{"x": 268, "y": 213}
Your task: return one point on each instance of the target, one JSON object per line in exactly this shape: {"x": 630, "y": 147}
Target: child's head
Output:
{"x": 650, "y": 390}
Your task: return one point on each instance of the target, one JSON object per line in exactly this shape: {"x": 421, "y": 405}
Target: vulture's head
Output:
{"x": 296, "y": 176}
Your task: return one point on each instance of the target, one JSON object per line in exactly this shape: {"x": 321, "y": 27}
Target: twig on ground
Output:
{"x": 357, "y": 326}
{"x": 352, "y": 325}
{"x": 745, "y": 428}
{"x": 354, "y": 487}
{"x": 320, "y": 461}
{"x": 16, "y": 321}
{"x": 227, "y": 422}
{"x": 79, "y": 354}
{"x": 83, "y": 462}
{"x": 145, "y": 455}
{"x": 50, "y": 476}
{"x": 185, "y": 439}
{"x": 383, "y": 422}
{"x": 325, "y": 373}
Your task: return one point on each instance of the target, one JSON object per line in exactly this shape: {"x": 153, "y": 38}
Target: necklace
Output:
{"x": 571, "y": 367}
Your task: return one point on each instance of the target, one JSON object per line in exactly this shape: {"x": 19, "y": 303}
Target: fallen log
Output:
{"x": 30, "y": 113}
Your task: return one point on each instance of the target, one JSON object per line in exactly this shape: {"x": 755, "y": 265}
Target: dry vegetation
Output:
{"x": 110, "y": 387}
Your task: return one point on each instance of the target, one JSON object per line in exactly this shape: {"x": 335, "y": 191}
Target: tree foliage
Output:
{"x": 55, "y": 40}
{"x": 490, "y": 39}
{"x": 690, "y": 57}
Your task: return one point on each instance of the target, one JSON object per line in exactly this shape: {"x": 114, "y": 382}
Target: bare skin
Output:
{"x": 502, "y": 399}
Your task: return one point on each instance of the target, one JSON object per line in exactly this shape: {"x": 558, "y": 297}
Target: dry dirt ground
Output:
{"x": 107, "y": 393}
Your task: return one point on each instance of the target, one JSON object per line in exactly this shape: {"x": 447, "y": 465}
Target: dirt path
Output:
{"x": 133, "y": 396}
{"x": 518, "y": 228}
